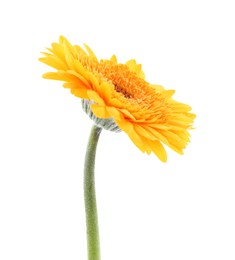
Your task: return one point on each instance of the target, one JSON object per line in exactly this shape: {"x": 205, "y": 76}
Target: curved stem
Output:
{"x": 93, "y": 246}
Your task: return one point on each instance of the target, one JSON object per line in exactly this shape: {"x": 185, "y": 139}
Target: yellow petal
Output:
{"x": 80, "y": 50}
{"x": 58, "y": 51}
{"x": 144, "y": 132}
{"x": 173, "y": 139}
{"x": 67, "y": 46}
{"x": 137, "y": 68}
{"x": 54, "y": 62}
{"x": 179, "y": 107}
{"x": 100, "y": 111}
{"x": 113, "y": 59}
{"x": 136, "y": 139}
{"x": 114, "y": 113}
{"x": 77, "y": 85}
{"x": 167, "y": 93}
{"x": 127, "y": 114}
{"x": 95, "y": 97}
{"x": 89, "y": 50}
{"x": 80, "y": 70}
{"x": 158, "y": 149}
{"x": 52, "y": 75}
{"x": 80, "y": 77}
{"x": 156, "y": 133}
{"x": 79, "y": 92}
{"x": 104, "y": 90}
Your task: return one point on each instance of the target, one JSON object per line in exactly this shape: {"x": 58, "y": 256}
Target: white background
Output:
{"x": 183, "y": 209}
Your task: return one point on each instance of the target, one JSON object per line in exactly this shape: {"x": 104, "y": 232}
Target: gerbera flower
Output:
{"x": 119, "y": 93}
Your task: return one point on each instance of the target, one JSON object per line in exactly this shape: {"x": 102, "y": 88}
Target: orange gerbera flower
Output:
{"x": 119, "y": 92}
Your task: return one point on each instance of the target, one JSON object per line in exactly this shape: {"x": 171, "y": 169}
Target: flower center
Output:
{"x": 136, "y": 95}
{"x": 123, "y": 79}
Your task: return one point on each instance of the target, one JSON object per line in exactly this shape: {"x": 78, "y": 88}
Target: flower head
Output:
{"x": 119, "y": 92}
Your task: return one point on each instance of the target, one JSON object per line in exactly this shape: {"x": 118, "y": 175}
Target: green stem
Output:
{"x": 93, "y": 245}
